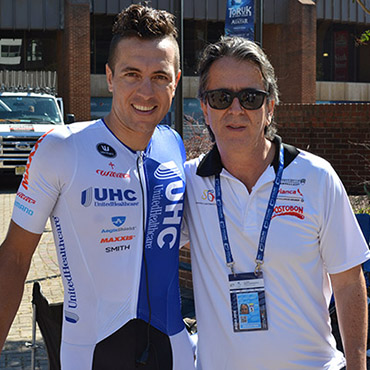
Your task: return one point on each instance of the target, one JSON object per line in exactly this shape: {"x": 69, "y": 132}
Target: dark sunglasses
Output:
{"x": 250, "y": 99}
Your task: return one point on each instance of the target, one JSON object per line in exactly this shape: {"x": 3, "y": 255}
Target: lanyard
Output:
{"x": 266, "y": 222}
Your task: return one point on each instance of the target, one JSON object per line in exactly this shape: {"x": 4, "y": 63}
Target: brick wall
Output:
{"x": 74, "y": 57}
{"x": 184, "y": 272}
{"x": 291, "y": 48}
{"x": 335, "y": 132}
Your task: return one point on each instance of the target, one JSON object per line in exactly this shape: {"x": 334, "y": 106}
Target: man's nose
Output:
{"x": 146, "y": 88}
{"x": 235, "y": 106}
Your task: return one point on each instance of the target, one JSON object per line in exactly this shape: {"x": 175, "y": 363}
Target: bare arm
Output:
{"x": 351, "y": 303}
{"x": 15, "y": 259}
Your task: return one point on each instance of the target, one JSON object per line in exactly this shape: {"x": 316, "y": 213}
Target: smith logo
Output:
{"x": 117, "y": 239}
{"x": 289, "y": 211}
{"x": 108, "y": 197}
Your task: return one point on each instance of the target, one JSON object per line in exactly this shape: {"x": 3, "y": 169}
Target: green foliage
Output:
{"x": 364, "y": 38}
{"x": 363, "y": 210}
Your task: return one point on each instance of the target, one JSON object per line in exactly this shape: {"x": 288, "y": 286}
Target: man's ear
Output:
{"x": 270, "y": 110}
{"x": 109, "y": 76}
{"x": 176, "y": 82}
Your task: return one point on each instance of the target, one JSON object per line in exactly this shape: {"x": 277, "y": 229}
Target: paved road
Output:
{"x": 44, "y": 268}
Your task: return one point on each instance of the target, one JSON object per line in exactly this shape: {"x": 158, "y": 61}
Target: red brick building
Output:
{"x": 311, "y": 45}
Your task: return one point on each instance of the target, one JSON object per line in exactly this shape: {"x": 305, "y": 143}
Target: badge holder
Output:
{"x": 248, "y": 301}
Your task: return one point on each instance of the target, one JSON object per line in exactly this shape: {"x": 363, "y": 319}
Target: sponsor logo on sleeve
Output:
{"x": 71, "y": 302}
{"x": 25, "y": 198}
{"x": 30, "y": 158}
{"x": 23, "y": 208}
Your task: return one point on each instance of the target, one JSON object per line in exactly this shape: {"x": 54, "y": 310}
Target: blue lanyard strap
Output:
{"x": 266, "y": 222}
{"x": 221, "y": 218}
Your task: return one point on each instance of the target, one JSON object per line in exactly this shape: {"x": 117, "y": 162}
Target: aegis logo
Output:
{"x": 107, "y": 197}
{"x": 208, "y": 195}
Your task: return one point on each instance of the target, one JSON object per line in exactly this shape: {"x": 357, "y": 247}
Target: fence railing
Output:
{"x": 29, "y": 79}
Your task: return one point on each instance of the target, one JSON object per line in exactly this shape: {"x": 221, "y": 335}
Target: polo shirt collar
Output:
{"x": 211, "y": 163}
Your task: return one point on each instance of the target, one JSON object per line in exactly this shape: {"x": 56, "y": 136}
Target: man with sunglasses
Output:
{"x": 276, "y": 232}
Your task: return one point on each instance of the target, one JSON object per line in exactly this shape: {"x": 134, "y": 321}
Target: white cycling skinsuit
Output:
{"x": 101, "y": 196}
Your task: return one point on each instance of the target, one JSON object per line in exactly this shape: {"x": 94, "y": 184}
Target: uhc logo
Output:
{"x": 167, "y": 170}
{"x": 108, "y": 197}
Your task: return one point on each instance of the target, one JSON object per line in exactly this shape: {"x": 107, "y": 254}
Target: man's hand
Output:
{"x": 351, "y": 303}
{"x": 15, "y": 259}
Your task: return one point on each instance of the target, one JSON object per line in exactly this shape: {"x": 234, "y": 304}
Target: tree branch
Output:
{"x": 367, "y": 11}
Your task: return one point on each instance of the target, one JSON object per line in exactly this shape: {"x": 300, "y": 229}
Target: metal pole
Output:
{"x": 259, "y": 22}
{"x": 178, "y": 104}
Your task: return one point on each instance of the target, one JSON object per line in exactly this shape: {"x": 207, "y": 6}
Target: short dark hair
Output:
{"x": 144, "y": 23}
{"x": 243, "y": 50}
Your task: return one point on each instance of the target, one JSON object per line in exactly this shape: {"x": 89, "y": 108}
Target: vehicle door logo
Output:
{"x": 23, "y": 146}
{"x": 106, "y": 150}
{"x": 118, "y": 220}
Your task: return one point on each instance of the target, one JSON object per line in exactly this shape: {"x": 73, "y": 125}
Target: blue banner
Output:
{"x": 239, "y": 20}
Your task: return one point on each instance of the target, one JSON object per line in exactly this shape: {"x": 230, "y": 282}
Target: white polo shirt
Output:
{"x": 313, "y": 232}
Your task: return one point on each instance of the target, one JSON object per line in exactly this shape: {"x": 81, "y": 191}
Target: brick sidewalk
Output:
{"x": 44, "y": 268}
